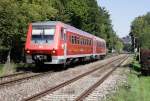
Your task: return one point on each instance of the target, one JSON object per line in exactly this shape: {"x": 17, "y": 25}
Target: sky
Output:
{"x": 123, "y": 13}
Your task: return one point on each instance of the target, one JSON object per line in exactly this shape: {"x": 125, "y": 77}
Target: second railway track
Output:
{"x": 8, "y": 80}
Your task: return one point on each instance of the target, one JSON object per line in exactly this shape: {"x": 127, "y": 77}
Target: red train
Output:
{"x": 54, "y": 42}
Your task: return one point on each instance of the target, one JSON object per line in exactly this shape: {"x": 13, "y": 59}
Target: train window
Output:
{"x": 78, "y": 40}
{"x": 81, "y": 41}
{"x": 75, "y": 40}
{"x": 86, "y": 42}
{"x": 72, "y": 40}
{"x": 90, "y": 42}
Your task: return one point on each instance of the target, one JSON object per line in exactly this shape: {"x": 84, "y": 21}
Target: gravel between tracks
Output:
{"x": 32, "y": 86}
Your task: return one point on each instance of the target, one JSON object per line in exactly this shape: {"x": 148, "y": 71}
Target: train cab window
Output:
{"x": 42, "y": 34}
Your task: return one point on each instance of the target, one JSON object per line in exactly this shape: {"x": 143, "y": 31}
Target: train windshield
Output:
{"x": 43, "y": 34}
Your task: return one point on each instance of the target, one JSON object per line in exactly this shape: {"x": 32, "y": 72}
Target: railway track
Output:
{"x": 95, "y": 85}
{"x": 11, "y": 79}
{"x": 11, "y": 75}
{"x": 59, "y": 86}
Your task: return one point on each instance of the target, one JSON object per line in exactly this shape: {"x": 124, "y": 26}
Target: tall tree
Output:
{"x": 140, "y": 31}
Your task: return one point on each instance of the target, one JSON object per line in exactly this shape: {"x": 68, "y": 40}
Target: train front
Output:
{"x": 41, "y": 43}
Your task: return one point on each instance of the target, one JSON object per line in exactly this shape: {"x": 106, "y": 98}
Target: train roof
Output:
{"x": 69, "y": 28}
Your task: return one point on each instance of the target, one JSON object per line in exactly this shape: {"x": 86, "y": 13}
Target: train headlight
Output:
{"x": 28, "y": 51}
{"x": 53, "y": 51}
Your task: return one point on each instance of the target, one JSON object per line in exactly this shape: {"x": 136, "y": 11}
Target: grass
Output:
{"x": 1, "y": 68}
{"x": 138, "y": 89}
{"x": 135, "y": 64}
{"x": 7, "y": 68}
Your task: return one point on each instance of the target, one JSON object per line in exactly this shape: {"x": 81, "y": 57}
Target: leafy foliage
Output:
{"x": 140, "y": 29}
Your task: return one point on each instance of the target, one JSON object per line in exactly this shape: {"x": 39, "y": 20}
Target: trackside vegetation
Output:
{"x": 1, "y": 67}
{"x": 137, "y": 90}
{"x": 15, "y": 15}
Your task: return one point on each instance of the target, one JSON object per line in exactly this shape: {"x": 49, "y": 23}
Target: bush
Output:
{"x": 135, "y": 64}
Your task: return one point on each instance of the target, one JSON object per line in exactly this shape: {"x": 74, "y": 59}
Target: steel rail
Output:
{"x": 10, "y": 75}
{"x": 6, "y": 83}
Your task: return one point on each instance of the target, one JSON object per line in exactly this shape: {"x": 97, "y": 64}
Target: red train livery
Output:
{"x": 54, "y": 42}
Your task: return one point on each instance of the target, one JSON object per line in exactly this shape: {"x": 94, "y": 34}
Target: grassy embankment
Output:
{"x": 138, "y": 88}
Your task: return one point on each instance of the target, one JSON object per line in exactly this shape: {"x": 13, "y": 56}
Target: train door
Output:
{"x": 94, "y": 46}
{"x": 65, "y": 43}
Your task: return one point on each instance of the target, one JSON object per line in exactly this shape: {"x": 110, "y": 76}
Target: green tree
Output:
{"x": 140, "y": 31}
